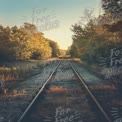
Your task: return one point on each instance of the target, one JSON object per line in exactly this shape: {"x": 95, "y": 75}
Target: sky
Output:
{"x": 52, "y": 17}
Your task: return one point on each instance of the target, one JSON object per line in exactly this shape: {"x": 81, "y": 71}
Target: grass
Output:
{"x": 57, "y": 89}
{"x": 103, "y": 87}
{"x": 58, "y": 96}
{"x": 14, "y": 73}
{"x": 10, "y": 75}
{"x": 117, "y": 102}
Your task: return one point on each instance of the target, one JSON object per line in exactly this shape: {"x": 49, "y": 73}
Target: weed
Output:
{"x": 16, "y": 74}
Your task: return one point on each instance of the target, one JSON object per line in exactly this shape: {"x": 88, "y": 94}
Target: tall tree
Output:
{"x": 112, "y": 6}
{"x": 113, "y": 10}
{"x": 55, "y": 48}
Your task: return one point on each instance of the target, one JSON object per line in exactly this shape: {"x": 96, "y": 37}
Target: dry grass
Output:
{"x": 18, "y": 93}
{"x": 14, "y": 73}
{"x": 76, "y": 59}
{"x": 117, "y": 102}
{"x": 14, "y": 94}
{"x": 69, "y": 98}
{"x": 104, "y": 87}
{"x": 9, "y": 76}
{"x": 57, "y": 89}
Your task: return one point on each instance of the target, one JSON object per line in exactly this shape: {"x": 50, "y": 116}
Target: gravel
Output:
{"x": 13, "y": 104}
{"x": 64, "y": 100}
{"x": 104, "y": 91}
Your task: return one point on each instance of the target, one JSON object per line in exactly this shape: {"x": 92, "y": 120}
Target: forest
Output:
{"x": 24, "y": 43}
{"x": 96, "y": 37}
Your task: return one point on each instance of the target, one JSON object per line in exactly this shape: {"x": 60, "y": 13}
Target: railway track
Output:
{"x": 64, "y": 97}
{"x": 106, "y": 93}
{"x": 92, "y": 96}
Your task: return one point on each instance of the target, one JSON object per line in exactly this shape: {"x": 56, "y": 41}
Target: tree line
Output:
{"x": 94, "y": 37}
{"x": 24, "y": 43}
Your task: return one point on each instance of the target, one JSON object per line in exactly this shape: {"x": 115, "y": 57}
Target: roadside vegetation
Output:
{"x": 24, "y": 43}
{"x": 11, "y": 74}
{"x": 20, "y": 45}
{"x": 97, "y": 41}
{"x": 94, "y": 37}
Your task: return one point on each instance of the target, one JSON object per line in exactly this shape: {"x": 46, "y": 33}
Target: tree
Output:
{"x": 40, "y": 46}
{"x": 112, "y": 6}
{"x": 6, "y": 45}
{"x": 113, "y": 10}
{"x": 91, "y": 41}
{"x": 55, "y": 48}
{"x": 30, "y": 28}
{"x": 62, "y": 53}
{"x": 24, "y": 43}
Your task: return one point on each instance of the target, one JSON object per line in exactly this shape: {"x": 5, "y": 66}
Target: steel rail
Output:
{"x": 37, "y": 95}
{"x": 90, "y": 93}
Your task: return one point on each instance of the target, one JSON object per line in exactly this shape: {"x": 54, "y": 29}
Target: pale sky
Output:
{"x": 52, "y": 17}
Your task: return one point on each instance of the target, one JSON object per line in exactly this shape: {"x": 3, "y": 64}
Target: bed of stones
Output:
{"x": 64, "y": 100}
{"x": 108, "y": 95}
{"x": 14, "y": 102}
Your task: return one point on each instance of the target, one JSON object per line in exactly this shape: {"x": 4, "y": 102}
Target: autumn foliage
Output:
{"x": 24, "y": 43}
{"x": 98, "y": 36}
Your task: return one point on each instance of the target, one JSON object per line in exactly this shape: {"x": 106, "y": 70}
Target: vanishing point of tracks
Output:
{"x": 64, "y": 97}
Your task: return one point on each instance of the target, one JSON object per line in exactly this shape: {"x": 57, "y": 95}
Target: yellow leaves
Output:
{"x": 35, "y": 42}
{"x": 22, "y": 43}
{"x": 40, "y": 46}
{"x": 100, "y": 30}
